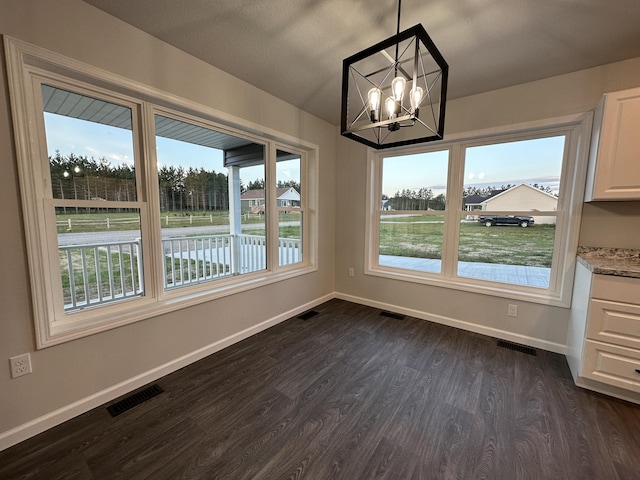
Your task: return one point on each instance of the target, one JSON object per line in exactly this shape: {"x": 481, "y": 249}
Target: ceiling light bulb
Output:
{"x": 416, "y": 97}
{"x": 374, "y": 98}
{"x": 374, "y": 103}
{"x": 397, "y": 87}
{"x": 390, "y": 103}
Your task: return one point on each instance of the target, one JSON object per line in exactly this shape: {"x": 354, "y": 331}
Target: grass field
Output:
{"x": 507, "y": 245}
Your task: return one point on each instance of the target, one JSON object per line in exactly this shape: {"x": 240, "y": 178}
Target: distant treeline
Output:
{"x": 82, "y": 178}
{"x": 412, "y": 199}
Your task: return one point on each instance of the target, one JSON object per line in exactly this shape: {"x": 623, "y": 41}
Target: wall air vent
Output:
{"x": 516, "y": 347}
{"x": 397, "y": 316}
{"x": 134, "y": 399}
{"x": 307, "y": 315}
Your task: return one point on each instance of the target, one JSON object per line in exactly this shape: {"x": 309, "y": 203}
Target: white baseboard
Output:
{"x": 45, "y": 422}
{"x": 452, "y": 322}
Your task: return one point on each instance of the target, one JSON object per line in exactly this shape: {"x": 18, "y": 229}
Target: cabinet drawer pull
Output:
{"x": 637, "y": 370}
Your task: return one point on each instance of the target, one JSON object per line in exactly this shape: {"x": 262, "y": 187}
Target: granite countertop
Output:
{"x": 611, "y": 261}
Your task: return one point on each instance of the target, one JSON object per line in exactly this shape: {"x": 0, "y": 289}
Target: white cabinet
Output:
{"x": 614, "y": 159}
{"x": 603, "y": 346}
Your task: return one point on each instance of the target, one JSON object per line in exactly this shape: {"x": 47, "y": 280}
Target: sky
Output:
{"x": 70, "y": 135}
{"x": 530, "y": 161}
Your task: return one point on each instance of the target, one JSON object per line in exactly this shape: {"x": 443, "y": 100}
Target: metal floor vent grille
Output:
{"x": 517, "y": 348}
{"x": 307, "y": 315}
{"x": 397, "y": 316}
{"x": 134, "y": 399}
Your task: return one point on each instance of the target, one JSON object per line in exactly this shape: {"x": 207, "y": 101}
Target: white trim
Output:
{"x": 576, "y": 128}
{"x": 461, "y": 324}
{"x": 56, "y": 417}
{"x": 50, "y": 420}
{"x": 471, "y": 285}
{"x": 27, "y": 66}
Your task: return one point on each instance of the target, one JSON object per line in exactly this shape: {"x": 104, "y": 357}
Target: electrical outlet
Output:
{"x": 351, "y": 272}
{"x": 20, "y": 365}
{"x": 512, "y": 310}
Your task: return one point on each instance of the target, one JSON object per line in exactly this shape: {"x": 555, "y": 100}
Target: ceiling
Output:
{"x": 294, "y": 49}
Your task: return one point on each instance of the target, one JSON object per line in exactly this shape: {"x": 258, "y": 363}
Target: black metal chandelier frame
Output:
{"x": 370, "y": 119}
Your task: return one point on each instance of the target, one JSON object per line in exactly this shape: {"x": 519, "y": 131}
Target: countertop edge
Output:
{"x": 611, "y": 261}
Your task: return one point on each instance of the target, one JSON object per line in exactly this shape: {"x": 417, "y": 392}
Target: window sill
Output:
{"x": 144, "y": 308}
{"x": 496, "y": 289}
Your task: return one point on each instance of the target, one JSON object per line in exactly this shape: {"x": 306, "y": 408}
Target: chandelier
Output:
{"x": 394, "y": 92}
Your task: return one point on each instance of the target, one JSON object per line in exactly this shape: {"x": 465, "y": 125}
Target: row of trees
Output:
{"x": 412, "y": 199}
{"x": 258, "y": 184}
{"x": 82, "y": 178}
{"x": 192, "y": 189}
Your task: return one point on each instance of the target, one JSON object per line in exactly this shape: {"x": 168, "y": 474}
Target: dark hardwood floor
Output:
{"x": 350, "y": 394}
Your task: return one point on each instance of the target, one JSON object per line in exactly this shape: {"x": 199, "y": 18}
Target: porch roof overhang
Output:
{"x": 237, "y": 151}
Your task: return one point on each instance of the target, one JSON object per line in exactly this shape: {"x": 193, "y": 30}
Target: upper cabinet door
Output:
{"x": 614, "y": 163}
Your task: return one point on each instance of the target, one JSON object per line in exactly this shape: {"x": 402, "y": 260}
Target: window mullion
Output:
{"x": 451, "y": 232}
{"x": 374, "y": 185}
{"x": 150, "y": 223}
{"x": 304, "y": 207}
{"x": 272, "y": 216}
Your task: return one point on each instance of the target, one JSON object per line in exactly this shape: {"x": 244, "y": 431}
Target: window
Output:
{"x": 150, "y": 203}
{"x": 289, "y": 196}
{"x": 208, "y": 182}
{"x": 497, "y": 214}
{"x": 516, "y": 186}
{"x": 94, "y": 204}
{"x": 414, "y": 192}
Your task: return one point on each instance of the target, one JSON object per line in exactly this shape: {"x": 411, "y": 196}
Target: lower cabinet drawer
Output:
{"x": 614, "y": 322}
{"x": 612, "y": 365}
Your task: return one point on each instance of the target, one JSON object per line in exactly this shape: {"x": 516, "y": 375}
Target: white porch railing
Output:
{"x": 98, "y": 273}
{"x": 95, "y": 274}
{"x": 190, "y": 260}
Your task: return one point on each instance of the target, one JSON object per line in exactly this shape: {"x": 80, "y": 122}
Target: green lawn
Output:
{"x": 508, "y": 245}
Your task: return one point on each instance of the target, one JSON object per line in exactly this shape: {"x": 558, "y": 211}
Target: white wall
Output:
{"x": 104, "y": 363}
{"x": 610, "y": 224}
{"x": 78, "y": 370}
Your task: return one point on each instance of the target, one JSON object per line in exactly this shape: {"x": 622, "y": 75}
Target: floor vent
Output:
{"x": 397, "y": 316}
{"x": 134, "y": 399}
{"x": 307, "y": 315}
{"x": 516, "y": 347}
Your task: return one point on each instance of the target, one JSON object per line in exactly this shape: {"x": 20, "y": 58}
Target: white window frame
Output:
{"x": 27, "y": 67}
{"x": 576, "y": 128}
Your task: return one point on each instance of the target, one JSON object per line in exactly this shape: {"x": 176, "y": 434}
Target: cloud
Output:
{"x": 117, "y": 157}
